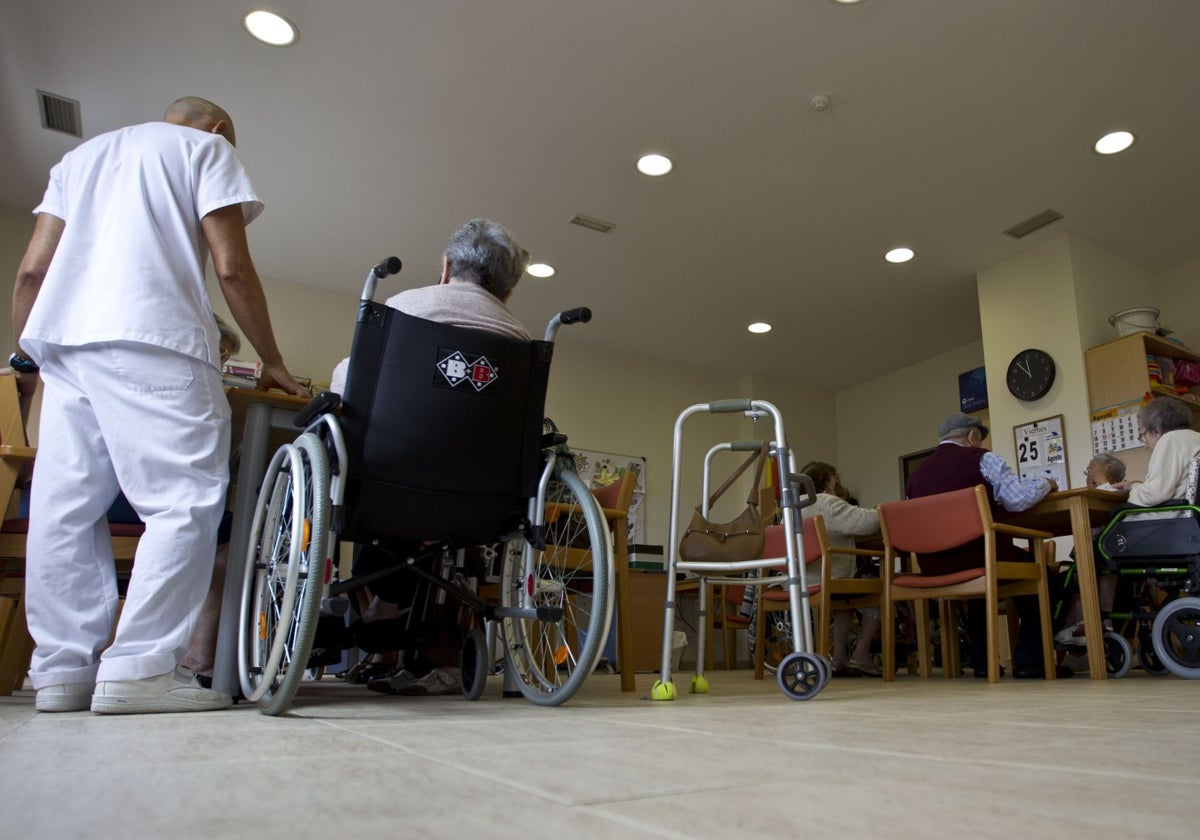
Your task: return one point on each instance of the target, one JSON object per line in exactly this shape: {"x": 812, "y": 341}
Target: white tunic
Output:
{"x": 98, "y": 288}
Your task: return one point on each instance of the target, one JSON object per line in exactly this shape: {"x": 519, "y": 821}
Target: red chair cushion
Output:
{"x": 934, "y": 581}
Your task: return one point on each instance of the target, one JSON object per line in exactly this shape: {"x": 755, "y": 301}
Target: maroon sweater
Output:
{"x": 954, "y": 467}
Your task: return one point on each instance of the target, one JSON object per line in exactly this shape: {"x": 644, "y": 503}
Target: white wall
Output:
{"x": 894, "y": 415}
{"x": 1104, "y": 285}
{"x": 1029, "y": 301}
{"x": 1177, "y": 293}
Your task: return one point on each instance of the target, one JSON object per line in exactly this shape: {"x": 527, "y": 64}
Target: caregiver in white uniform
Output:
{"x": 110, "y": 302}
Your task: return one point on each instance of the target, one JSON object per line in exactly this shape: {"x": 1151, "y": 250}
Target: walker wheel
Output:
{"x": 801, "y": 675}
{"x": 699, "y": 684}
{"x": 662, "y": 690}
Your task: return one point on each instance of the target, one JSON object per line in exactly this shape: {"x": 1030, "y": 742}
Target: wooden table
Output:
{"x": 255, "y": 415}
{"x": 1075, "y": 513}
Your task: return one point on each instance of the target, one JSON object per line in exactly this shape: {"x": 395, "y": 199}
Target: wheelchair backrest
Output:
{"x": 443, "y": 428}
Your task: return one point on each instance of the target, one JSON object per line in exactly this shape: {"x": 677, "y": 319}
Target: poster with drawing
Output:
{"x": 1042, "y": 450}
{"x": 598, "y": 469}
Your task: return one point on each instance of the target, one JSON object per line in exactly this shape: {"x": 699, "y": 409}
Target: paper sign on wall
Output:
{"x": 1042, "y": 450}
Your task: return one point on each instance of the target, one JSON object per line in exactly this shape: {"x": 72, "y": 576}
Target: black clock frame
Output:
{"x": 1030, "y": 375}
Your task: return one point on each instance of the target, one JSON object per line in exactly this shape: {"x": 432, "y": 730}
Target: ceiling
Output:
{"x": 390, "y": 123}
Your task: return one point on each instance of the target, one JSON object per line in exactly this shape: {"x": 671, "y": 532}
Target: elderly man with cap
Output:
{"x": 961, "y": 461}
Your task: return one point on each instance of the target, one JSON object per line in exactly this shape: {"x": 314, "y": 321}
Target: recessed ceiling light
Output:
{"x": 899, "y": 255}
{"x": 270, "y": 28}
{"x": 1116, "y": 141}
{"x": 540, "y": 270}
{"x": 654, "y": 165}
{"x": 759, "y": 327}
{"x": 845, "y": 2}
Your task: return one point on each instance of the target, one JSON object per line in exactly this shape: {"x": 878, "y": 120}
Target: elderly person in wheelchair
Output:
{"x": 438, "y": 448}
{"x": 1156, "y": 536}
{"x": 481, "y": 267}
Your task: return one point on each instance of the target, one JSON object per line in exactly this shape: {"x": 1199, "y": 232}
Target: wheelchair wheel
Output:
{"x": 1147, "y": 658}
{"x": 286, "y": 568}
{"x": 1118, "y": 655}
{"x": 1176, "y": 634}
{"x": 474, "y": 664}
{"x": 570, "y": 582}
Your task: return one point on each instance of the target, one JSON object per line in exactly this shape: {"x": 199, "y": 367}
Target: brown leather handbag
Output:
{"x": 726, "y": 542}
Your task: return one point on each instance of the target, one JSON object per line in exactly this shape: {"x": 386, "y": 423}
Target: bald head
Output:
{"x": 201, "y": 114}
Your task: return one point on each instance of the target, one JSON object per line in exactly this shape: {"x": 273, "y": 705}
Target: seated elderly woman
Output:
{"x": 843, "y": 522}
{"x": 1164, "y": 426}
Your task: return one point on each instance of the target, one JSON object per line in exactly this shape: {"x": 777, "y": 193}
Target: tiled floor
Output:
{"x": 918, "y": 758}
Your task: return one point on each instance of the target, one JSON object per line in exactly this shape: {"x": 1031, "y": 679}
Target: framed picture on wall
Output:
{"x": 910, "y": 462}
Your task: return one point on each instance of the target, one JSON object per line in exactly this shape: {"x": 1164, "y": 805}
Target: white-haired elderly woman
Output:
{"x": 1165, "y": 427}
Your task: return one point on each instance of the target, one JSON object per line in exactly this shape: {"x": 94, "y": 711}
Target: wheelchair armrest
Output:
{"x": 322, "y": 403}
{"x": 550, "y": 440}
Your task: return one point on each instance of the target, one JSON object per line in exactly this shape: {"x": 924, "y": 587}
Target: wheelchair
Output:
{"x": 1158, "y": 549}
{"x": 438, "y": 446}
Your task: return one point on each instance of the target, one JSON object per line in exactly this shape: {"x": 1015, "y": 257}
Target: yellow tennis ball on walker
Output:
{"x": 699, "y": 684}
{"x": 662, "y": 690}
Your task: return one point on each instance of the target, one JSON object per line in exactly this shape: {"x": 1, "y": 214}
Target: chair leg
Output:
{"x": 760, "y": 642}
{"x": 730, "y": 641}
{"x": 992, "y": 623}
{"x": 887, "y": 637}
{"x": 821, "y": 617}
{"x": 948, "y": 615}
{"x": 1049, "y": 660}
{"x": 924, "y": 651}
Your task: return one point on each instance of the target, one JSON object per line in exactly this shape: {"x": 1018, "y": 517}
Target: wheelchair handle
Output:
{"x": 383, "y": 268}
{"x": 578, "y": 315}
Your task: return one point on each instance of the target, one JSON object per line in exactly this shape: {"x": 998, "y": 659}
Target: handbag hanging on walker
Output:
{"x": 803, "y": 673}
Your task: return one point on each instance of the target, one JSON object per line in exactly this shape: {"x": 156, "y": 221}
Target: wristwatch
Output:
{"x": 21, "y": 364}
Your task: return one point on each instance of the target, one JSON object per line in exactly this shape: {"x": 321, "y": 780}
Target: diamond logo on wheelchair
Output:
{"x": 457, "y": 368}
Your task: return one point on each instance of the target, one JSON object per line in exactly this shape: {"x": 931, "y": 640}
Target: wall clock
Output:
{"x": 1030, "y": 375}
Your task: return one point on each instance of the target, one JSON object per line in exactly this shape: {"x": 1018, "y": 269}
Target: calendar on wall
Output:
{"x": 1115, "y": 429}
{"x": 1042, "y": 450}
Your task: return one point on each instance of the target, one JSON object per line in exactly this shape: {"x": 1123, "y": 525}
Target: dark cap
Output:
{"x": 959, "y": 421}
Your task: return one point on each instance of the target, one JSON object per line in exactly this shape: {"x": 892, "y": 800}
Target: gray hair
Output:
{"x": 229, "y": 336}
{"x": 1113, "y": 466}
{"x": 486, "y": 254}
{"x": 1164, "y": 414}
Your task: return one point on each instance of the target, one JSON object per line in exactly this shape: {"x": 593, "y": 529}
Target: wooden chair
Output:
{"x": 615, "y": 500}
{"x": 938, "y": 523}
{"x": 826, "y": 594}
{"x": 16, "y": 645}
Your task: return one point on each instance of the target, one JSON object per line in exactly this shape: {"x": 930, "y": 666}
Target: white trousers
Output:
{"x": 155, "y": 424}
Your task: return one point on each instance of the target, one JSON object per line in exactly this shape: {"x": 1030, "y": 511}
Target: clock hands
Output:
{"x": 1025, "y": 368}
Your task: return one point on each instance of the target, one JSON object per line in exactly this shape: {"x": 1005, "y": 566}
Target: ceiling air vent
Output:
{"x": 60, "y": 114}
{"x": 591, "y": 223}
{"x": 1036, "y": 222}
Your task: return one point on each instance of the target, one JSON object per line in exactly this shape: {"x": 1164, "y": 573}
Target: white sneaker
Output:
{"x": 67, "y": 697}
{"x": 1071, "y": 636}
{"x": 175, "y": 691}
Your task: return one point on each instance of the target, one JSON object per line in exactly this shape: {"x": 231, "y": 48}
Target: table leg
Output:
{"x": 251, "y": 467}
{"x": 1089, "y": 597}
